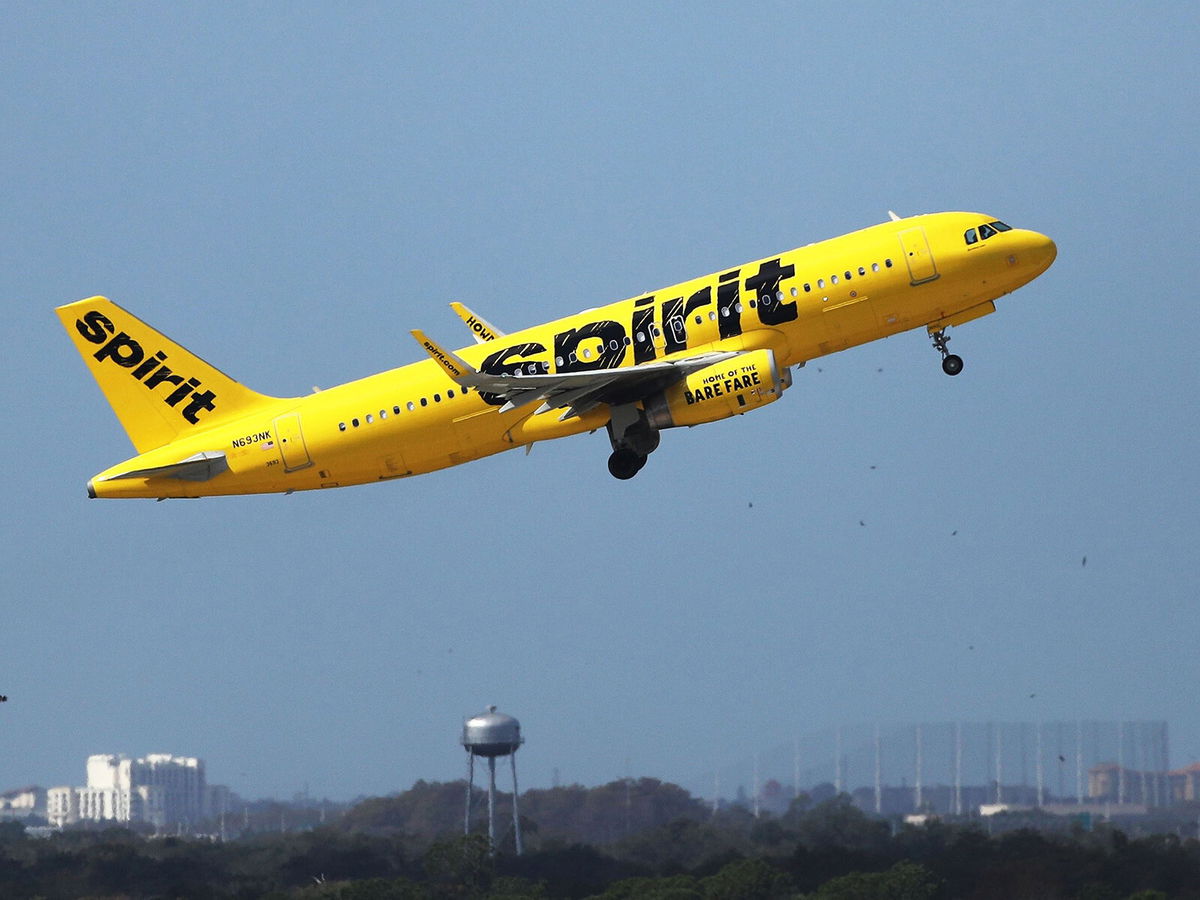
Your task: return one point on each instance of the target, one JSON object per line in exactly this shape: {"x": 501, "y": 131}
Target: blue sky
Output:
{"x": 288, "y": 189}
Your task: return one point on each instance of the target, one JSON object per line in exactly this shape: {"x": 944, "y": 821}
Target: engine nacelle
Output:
{"x": 724, "y": 389}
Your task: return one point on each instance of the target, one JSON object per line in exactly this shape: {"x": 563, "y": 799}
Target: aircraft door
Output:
{"x": 921, "y": 267}
{"x": 290, "y": 440}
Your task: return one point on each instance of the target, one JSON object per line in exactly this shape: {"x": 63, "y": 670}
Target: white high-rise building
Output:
{"x": 159, "y": 789}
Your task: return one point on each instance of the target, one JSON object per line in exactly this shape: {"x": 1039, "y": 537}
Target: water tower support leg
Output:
{"x": 492, "y": 804}
{"x": 516, "y": 815}
{"x": 470, "y": 788}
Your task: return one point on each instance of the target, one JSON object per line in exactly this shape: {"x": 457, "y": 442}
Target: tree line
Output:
{"x": 628, "y": 839}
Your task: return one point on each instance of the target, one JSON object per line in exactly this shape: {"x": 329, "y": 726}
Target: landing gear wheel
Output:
{"x": 624, "y": 463}
{"x": 952, "y": 364}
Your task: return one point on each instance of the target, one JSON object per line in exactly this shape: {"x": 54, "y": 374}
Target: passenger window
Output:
{"x": 847, "y": 275}
{"x": 396, "y": 410}
{"x": 424, "y": 402}
{"x": 449, "y": 395}
{"x": 888, "y": 263}
{"x": 820, "y": 282}
{"x": 370, "y": 418}
{"x": 341, "y": 426}
{"x": 796, "y": 293}
{"x": 970, "y": 237}
{"x": 986, "y": 231}
{"x": 383, "y": 414}
{"x": 874, "y": 267}
{"x": 437, "y": 398}
{"x": 354, "y": 422}
{"x": 411, "y": 406}
{"x": 807, "y": 289}
{"x": 833, "y": 279}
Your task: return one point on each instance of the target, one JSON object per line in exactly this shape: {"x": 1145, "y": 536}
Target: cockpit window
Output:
{"x": 973, "y": 236}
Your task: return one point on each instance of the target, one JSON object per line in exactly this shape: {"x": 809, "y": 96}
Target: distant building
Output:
{"x": 1111, "y": 783}
{"x": 1185, "y": 783}
{"x": 159, "y": 789}
{"x": 23, "y": 803}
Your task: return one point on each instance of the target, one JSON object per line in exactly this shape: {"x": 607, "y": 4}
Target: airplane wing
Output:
{"x": 200, "y": 467}
{"x": 481, "y": 329}
{"x": 574, "y": 392}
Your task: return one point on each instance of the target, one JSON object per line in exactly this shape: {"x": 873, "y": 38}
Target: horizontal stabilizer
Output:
{"x": 481, "y": 329}
{"x": 201, "y": 467}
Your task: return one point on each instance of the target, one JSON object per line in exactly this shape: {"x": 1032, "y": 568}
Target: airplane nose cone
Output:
{"x": 1042, "y": 251}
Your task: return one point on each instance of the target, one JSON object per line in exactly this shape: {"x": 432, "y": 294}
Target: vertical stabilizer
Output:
{"x": 158, "y": 390}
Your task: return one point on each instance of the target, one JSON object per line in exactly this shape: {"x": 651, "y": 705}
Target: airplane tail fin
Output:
{"x": 158, "y": 389}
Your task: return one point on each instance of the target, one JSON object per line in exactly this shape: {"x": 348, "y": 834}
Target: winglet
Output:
{"x": 893, "y": 216}
{"x": 459, "y": 370}
{"x": 481, "y": 329}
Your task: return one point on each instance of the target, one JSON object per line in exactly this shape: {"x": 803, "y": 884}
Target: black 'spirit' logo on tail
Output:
{"x": 151, "y": 371}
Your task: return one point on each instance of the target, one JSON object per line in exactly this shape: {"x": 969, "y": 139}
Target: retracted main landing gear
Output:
{"x": 951, "y": 364}
{"x": 632, "y": 439}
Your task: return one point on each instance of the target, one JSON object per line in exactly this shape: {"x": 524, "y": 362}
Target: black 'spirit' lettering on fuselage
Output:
{"x": 513, "y": 361}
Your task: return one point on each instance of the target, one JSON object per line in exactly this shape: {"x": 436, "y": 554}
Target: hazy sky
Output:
{"x": 287, "y": 189}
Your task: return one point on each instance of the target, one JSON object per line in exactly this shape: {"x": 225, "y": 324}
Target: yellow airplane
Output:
{"x": 692, "y": 353}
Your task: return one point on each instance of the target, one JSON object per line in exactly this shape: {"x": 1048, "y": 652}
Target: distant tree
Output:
{"x": 682, "y": 846}
{"x": 746, "y": 879}
{"x": 838, "y": 824}
{"x": 463, "y": 863}
{"x": 427, "y": 809}
{"x": 367, "y": 889}
{"x": 569, "y": 870}
{"x": 673, "y": 887}
{"x": 904, "y": 881}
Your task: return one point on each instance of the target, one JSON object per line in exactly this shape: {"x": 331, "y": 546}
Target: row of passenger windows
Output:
{"x": 973, "y": 235}
{"x": 370, "y": 417}
{"x": 847, "y": 275}
{"x": 675, "y": 324}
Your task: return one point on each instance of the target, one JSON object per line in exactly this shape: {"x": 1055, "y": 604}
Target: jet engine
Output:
{"x": 724, "y": 389}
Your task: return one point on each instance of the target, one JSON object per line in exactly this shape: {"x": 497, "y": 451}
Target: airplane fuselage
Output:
{"x": 801, "y": 305}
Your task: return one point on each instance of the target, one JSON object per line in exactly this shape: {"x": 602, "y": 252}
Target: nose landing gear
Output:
{"x": 951, "y": 364}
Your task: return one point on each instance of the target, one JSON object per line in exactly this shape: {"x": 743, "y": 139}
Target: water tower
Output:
{"x": 491, "y": 734}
